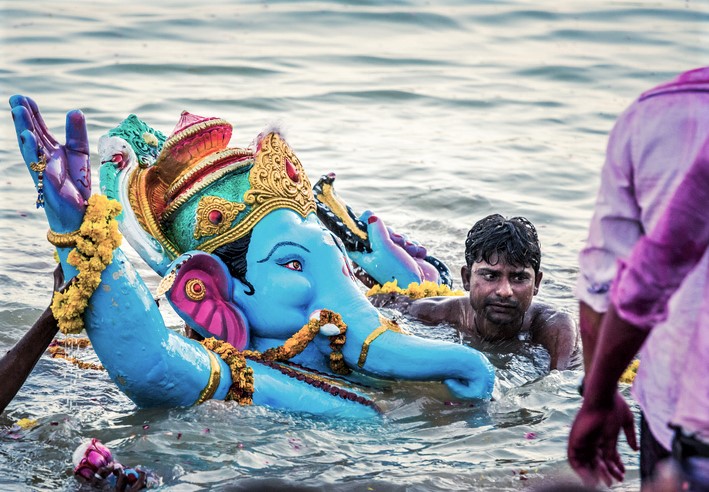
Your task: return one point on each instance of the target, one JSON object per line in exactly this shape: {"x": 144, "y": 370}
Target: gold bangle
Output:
{"x": 386, "y": 324}
{"x": 365, "y": 346}
{"x": 62, "y": 239}
{"x": 215, "y": 376}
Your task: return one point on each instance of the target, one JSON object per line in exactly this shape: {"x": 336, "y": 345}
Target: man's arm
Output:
{"x": 439, "y": 310}
{"x": 640, "y": 296}
{"x": 431, "y": 310}
{"x": 614, "y": 229}
{"x": 17, "y": 364}
{"x": 556, "y": 331}
{"x": 590, "y": 324}
{"x": 592, "y": 447}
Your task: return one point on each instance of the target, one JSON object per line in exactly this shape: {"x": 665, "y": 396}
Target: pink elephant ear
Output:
{"x": 201, "y": 295}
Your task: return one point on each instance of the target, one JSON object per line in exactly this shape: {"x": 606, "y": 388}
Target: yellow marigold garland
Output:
{"x": 96, "y": 239}
{"x": 297, "y": 343}
{"x": 26, "y": 424}
{"x": 415, "y": 290}
{"x": 630, "y": 372}
{"x": 242, "y": 376}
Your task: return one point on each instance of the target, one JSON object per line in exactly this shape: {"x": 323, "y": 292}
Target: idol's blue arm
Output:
{"x": 150, "y": 363}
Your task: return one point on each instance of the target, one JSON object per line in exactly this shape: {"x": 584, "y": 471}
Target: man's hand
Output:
{"x": 593, "y": 440}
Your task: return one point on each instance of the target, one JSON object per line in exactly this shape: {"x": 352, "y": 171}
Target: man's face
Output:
{"x": 501, "y": 293}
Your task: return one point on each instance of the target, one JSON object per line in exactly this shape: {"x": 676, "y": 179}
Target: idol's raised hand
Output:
{"x": 381, "y": 254}
{"x": 61, "y": 172}
{"x": 392, "y": 256}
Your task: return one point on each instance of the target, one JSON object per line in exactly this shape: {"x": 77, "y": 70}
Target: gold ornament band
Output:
{"x": 40, "y": 165}
{"x": 215, "y": 376}
{"x": 242, "y": 376}
{"x": 62, "y": 239}
{"x": 386, "y": 325}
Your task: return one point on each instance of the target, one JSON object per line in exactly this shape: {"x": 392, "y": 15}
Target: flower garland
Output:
{"x": 96, "y": 239}
{"x": 630, "y": 372}
{"x": 297, "y": 343}
{"x": 242, "y": 376}
{"x": 56, "y": 350}
{"x": 415, "y": 290}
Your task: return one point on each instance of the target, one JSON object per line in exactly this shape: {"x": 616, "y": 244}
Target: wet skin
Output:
{"x": 500, "y": 295}
{"x": 497, "y": 310}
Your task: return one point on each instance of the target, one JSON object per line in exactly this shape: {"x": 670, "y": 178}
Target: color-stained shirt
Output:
{"x": 651, "y": 148}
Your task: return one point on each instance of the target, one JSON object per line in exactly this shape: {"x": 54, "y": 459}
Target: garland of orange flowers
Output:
{"x": 242, "y": 376}
{"x": 56, "y": 350}
{"x": 415, "y": 290}
{"x": 96, "y": 239}
{"x": 297, "y": 343}
{"x": 630, "y": 372}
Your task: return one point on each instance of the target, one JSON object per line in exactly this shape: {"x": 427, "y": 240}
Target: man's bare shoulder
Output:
{"x": 556, "y": 330}
{"x": 543, "y": 316}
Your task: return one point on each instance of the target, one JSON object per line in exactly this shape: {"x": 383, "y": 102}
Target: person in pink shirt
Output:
{"x": 654, "y": 179}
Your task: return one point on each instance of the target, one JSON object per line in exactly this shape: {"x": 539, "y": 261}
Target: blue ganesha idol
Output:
{"x": 245, "y": 261}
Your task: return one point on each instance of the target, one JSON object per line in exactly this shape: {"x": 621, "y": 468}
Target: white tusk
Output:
{"x": 329, "y": 330}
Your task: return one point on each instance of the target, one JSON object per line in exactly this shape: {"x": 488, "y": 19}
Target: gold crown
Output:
{"x": 202, "y": 195}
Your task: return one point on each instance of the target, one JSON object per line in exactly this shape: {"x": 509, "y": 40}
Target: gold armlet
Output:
{"x": 62, "y": 239}
{"x": 215, "y": 376}
{"x": 367, "y": 341}
{"x": 386, "y": 325}
{"x": 242, "y": 376}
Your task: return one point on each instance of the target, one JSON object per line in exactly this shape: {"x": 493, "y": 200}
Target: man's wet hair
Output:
{"x": 515, "y": 240}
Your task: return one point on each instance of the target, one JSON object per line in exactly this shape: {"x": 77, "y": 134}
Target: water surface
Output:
{"x": 432, "y": 114}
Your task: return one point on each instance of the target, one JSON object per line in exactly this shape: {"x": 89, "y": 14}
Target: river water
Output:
{"x": 432, "y": 114}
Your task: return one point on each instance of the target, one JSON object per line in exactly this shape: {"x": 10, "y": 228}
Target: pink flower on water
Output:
{"x": 530, "y": 435}
{"x": 89, "y": 457}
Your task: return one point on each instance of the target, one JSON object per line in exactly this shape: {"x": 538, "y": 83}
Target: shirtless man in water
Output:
{"x": 502, "y": 274}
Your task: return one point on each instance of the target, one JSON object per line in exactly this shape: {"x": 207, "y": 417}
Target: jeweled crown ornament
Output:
{"x": 201, "y": 194}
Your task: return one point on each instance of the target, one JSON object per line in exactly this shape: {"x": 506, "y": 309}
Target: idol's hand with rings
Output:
{"x": 61, "y": 172}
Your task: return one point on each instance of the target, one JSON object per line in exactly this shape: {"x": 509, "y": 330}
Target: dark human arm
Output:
{"x": 400, "y": 302}
{"x": 18, "y": 362}
{"x": 437, "y": 311}
{"x": 592, "y": 448}
{"x": 430, "y": 310}
{"x": 641, "y": 291}
{"x": 557, "y": 333}
{"x": 589, "y": 324}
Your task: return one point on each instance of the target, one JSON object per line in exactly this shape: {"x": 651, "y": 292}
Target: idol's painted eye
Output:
{"x": 294, "y": 265}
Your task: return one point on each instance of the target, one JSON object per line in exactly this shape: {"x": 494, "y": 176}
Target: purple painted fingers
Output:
{"x": 61, "y": 173}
